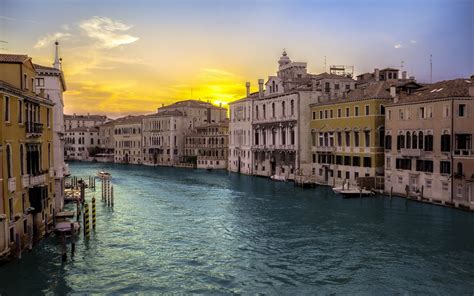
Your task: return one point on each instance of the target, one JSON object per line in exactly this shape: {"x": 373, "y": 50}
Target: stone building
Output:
{"x": 428, "y": 148}
{"x": 27, "y": 153}
{"x": 163, "y": 137}
{"x": 279, "y": 120}
{"x": 107, "y": 142}
{"x": 200, "y": 112}
{"x": 128, "y": 140}
{"x": 50, "y": 81}
{"x": 73, "y": 121}
{"x": 82, "y": 143}
{"x": 207, "y": 147}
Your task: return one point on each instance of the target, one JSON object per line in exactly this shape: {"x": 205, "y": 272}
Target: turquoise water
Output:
{"x": 192, "y": 231}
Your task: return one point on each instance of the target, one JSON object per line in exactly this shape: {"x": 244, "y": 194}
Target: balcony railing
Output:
{"x": 324, "y": 148}
{"x": 37, "y": 180}
{"x": 11, "y": 184}
{"x": 34, "y": 128}
{"x": 464, "y": 152}
{"x": 411, "y": 152}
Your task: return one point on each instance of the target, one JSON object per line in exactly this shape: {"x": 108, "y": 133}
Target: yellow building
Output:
{"x": 26, "y": 151}
{"x": 348, "y": 135}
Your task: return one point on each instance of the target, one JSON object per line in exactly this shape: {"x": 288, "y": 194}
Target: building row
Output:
{"x": 31, "y": 149}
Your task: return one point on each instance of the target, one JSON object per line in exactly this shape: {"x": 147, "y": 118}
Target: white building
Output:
{"x": 128, "y": 140}
{"x": 107, "y": 142}
{"x": 51, "y": 82}
{"x": 73, "y": 121}
{"x": 163, "y": 137}
{"x": 275, "y": 121}
{"x": 82, "y": 143}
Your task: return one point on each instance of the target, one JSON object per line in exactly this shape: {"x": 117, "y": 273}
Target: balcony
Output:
{"x": 37, "y": 180}
{"x": 464, "y": 152}
{"x": 33, "y": 129}
{"x": 11, "y": 184}
{"x": 323, "y": 149}
{"x": 410, "y": 152}
{"x": 25, "y": 181}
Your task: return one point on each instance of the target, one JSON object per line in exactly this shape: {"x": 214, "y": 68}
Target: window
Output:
{"x": 347, "y": 112}
{"x": 400, "y": 114}
{"x": 9, "y": 161}
{"x": 273, "y": 110}
{"x": 283, "y": 109}
{"x": 356, "y": 111}
{"x": 445, "y": 143}
{"x": 367, "y": 139}
{"x": 356, "y": 161}
{"x": 336, "y": 86}
{"x": 39, "y": 82}
{"x": 445, "y": 167}
{"x": 264, "y": 111}
{"x": 321, "y": 114}
{"x": 348, "y": 86}
{"x": 356, "y": 139}
{"x": 20, "y": 111}
{"x": 388, "y": 142}
{"x": 331, "y": 113}
{"x": 462, "y": 110}
{"x": 347, "y": 160}
{"x": 424, "y": 166}
{"x": 420, "y": 140}
{"x": 367, "y": 162}
{"x": 292, "y": 107}
{"x": 389, "y": 115}
{"x": 339, "y": 139}
{"x": 367, "y": 110}
{"x": 403, "y": 164}
{"x": 382, "y": 110}
{"x": 408, "y": 140}
{"x": 48, "y": 115}
{"x": 7, "y": 109}
{"x": 325, "y": 113}
{"x": 429, "y": 143}
{"x": 459, "y": 170}
{"x": 339, "y": 113}
{"x": 414, "y": 139}
{"x": 314, "y": 115}
{"x": 428, "y": 183}
{"x": 387, "y": 163}
{"x": 422, "y": 112}
{"x": 25, "y": 81}
{"x": 348, "y": 139}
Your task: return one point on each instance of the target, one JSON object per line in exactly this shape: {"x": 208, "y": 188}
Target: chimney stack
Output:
{"x": 377, "y": 74}
{"x": 404, "y": 75}
{"x": 260, "y": 88}
{"x": 393, "y": 91}
{"x": 247, "y": 86}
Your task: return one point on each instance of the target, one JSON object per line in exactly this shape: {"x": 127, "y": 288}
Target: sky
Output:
{"x": 130, "y": 57}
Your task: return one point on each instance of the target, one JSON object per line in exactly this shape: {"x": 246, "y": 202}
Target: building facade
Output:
{"x": 128, "y": 140}
{"x": 428, "y": 147}
{"x": 26, "y": 137}
{"x": 240, "y": 139}
{"x": 74, "y": 121}
{"x": 50, "y": 81}
{"x": 82, "y": 143}
{"x": 107, "y": 142}
{"x": 347, "y": 135}
{"x": 207, "y": 147}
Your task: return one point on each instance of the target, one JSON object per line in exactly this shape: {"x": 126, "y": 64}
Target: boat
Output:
{"x": 278, "y": 178}
{"x": 352, "y": 192}
{"x": 103, "y": 174}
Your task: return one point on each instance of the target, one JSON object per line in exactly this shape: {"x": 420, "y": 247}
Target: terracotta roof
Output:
{"x": 129, "y": 119}
{"x": 191, "y": 103}
{"x": 84, "y": 117}
{"x": 443, "y": 89}
{"x": 165, "y": 113}
{"x": 13, "y": 58}
{"x": 41, "y": 67}
{"x": 326, "y": 75}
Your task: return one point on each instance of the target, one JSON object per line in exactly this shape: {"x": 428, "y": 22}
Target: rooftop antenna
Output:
{"x": 3, "y": 45}
{"x": 431, "y": 68}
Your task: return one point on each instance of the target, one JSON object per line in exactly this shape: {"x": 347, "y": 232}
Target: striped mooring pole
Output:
{"x": 87, "y": 229}
{"x": 93, "y": 213}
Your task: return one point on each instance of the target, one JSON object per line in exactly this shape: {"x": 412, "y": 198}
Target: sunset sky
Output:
{"x": 122, "y": 57}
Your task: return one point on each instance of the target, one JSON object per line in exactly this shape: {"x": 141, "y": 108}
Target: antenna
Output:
{"x": 3, "y": 45}
{"x": 431, "y": 68}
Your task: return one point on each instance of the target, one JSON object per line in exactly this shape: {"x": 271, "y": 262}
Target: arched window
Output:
{"x": 388, "y": 142}
{"x": 459, "y": 171}
{"x": 273, "y": 110}
{"x": 408, "y": 140}
{"x": 283, "y": 109}
{"x": 420, "y": 140}
{"x": 292, "y": 107}
{"x": 9, "y": 161}
{"x": 381, "y": 136}
{"x": 414, "y": 141}
{"x": 429, "y": 143}
{"x": 22, "y": 162}
{"x": 49, "y": 155}
{"x": 273, "y": 137}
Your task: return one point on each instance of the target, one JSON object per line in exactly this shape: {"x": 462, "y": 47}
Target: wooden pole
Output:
{"x": 112, "y": 196}
{"x": 73, "y": 243}
{"x": 93, "y": 213}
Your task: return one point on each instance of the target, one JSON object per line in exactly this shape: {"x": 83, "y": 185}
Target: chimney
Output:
{"x": 471, "y": 91}
{"x": 393, "y": 91}
{"x": 247, "y": 86}
{"x": 377, "y": 74}
{"x": 404, "y": 75}
{"x": 260, "y": 88}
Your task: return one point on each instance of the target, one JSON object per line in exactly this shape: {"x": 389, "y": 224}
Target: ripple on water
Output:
{"x": 190, "y": 231}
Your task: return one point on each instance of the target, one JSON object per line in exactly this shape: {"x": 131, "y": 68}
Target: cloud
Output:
{"x": 108, "y": 32}
{"x": 413, "y": 41}
{"x": 397, "y": 46}
{"x": 50, "y": 38}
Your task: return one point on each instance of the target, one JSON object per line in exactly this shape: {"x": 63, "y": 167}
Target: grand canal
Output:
{"x": 191, "y": 231}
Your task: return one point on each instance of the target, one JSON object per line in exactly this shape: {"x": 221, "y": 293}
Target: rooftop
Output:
{"x": 13, "y": 58}
{"x": 442, "y": 89}
{"x": 192, "y": 104}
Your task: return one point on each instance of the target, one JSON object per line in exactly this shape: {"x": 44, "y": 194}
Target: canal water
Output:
{"x": 195, "y": 231}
